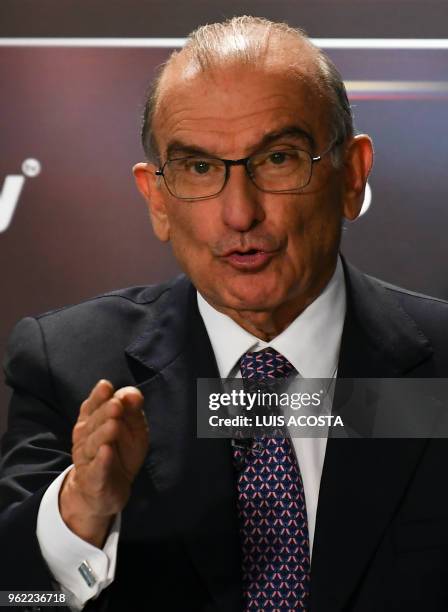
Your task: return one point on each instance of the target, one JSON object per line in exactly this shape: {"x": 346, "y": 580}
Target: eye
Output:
{"x": 278, "y": 157}
{"x": 200, "y": 167}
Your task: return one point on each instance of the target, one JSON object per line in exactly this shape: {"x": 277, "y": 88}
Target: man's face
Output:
{"x": 245, "y": 250}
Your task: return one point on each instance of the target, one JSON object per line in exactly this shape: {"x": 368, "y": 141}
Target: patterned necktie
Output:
{"x": 272, "y": 512}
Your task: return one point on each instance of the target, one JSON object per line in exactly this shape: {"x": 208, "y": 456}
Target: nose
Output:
{"x": 241, "y": 201}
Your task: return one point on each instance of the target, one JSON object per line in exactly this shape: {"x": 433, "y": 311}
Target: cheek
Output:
{"x": 328, "y": 227}
{"x": 314, "y": 232}
{"x": 190, "y": 232}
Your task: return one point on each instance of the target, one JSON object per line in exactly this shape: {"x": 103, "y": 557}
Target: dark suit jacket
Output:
{"x": 381, "y": 541}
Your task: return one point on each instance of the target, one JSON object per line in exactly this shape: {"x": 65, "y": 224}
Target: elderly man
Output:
{"x": 107, "y": 493}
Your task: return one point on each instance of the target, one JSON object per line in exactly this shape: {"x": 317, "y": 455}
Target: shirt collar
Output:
{"x": 311, "y": 342}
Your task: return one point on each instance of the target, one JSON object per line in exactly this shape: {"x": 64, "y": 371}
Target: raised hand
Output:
{"x": 110, "y": 441}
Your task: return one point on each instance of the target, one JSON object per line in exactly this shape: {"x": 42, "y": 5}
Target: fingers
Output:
{"x": 132, "y": 401}
{"x": 111, "y": 409}
{"x": 110, "y": 442}
{"x": 103, "y": 463}
{"x": 108, "y": 433}
{"x": 114, "y": 430}
{"x": 100, "y": 393}
{"x": 131, "y": 394}
{"x": 126, "y": 403}
{"x": 114, "y": 420}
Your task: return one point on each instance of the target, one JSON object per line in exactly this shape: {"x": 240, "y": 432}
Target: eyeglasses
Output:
{"x": 198, "y": 177}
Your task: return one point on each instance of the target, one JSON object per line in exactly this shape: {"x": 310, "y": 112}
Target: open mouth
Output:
{"x": 248, "y": 253}
{"x": 250, "y": 260}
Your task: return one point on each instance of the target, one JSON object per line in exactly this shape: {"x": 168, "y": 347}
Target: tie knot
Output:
{"x": 267, "y": 363}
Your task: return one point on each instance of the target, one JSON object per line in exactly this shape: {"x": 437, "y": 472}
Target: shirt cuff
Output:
{"x": 79, "y": 567}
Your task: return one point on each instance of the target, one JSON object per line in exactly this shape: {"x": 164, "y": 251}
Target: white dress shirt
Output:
{"x": 311, "y": 343}
{"x": 64, "y": 551}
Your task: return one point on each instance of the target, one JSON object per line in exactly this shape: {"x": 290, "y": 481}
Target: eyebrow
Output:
{"x": 177, "y": 146}
{"x": 294, "y": 131}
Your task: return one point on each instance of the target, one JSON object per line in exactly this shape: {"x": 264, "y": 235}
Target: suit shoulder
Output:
{"x": 429, "y": 313}
{"x": 85, "y": 341}
{"x": 418, "y": 301}
{"x": 402, "y": 293}
{"x": 126, "y": 299}
{"x": 113, "y": 317}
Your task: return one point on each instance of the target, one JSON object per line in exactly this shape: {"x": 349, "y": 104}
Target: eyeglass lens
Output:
{"x": 201, "y": 177}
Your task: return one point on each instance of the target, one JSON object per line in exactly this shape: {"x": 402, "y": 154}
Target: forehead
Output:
{"x": 229, "y": 111}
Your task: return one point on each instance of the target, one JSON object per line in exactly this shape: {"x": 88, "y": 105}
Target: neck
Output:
{"x": 268, "y": 324}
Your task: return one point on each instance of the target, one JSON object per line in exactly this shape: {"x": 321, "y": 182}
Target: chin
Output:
{"x": 248, "y": 296}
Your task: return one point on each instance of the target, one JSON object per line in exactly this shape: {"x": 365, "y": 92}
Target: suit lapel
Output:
{"x": 167, "y": 360}
{"x": 363, "y": 480}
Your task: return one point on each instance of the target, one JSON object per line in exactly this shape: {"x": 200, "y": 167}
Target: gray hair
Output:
{"x": 246, "y": 40}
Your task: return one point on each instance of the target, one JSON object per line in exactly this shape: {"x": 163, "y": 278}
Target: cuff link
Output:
{"x": 87, "y": 573}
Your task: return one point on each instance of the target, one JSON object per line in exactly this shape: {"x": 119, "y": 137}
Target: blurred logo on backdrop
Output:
{"x": 12, "y": 188}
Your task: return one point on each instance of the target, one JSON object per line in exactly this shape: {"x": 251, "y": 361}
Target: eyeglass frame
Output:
{"x": 244, "y": 161}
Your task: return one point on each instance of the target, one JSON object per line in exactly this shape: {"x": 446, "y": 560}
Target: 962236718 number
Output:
{"x": 18, "y": 598}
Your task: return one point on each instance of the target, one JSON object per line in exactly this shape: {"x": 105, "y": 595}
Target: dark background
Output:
{"x": 323, "y": 18}
{"x": 80, "y": 227}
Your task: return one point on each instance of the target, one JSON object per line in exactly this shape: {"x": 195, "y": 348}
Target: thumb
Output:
{"x": 130, "y": 396}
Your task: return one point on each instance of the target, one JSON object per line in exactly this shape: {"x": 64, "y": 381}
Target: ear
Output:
{"x": 149, "y": 186}
{"x": 357, "y": 165}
